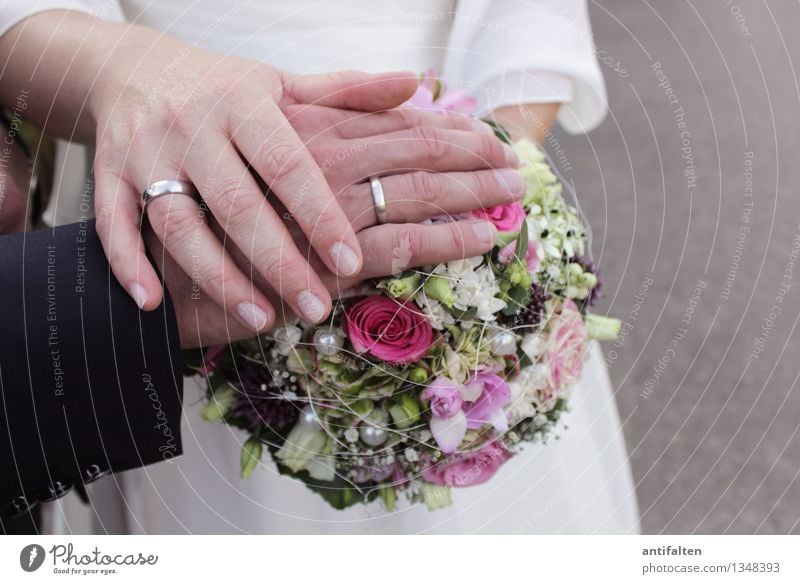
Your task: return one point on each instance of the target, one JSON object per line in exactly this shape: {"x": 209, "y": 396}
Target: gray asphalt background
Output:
{"x": 709, "y": 398}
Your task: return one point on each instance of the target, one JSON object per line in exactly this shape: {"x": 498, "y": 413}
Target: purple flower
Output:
{"x": 448, "y": 422}
{"x": 445, "y": 398}
{"x": 260, "y": 403}
{"x": 488, "y": 408}
{"x": 455, "y": 409}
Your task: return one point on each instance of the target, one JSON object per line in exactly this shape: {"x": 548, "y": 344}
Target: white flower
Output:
{"x": 433, "y": 310}
{"x": 411, "y": 455}
{"x": 322, "y": 468}
{"x": 351, "y": 435}
{"x": 489, "y": 307}
{"x": 533, "y": 345}
{"x": 521, "y": 404}
{"x": 458, "y": 369}
{"x": 458, "y": 268}
{"x": 479, "y": 289}
{"x": 287, "y": 338}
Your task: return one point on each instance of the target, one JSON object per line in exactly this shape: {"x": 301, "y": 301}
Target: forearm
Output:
{"x": 532, "y": 121}
{"x": 89, "y": 383}
{"x": 60, "y": 62}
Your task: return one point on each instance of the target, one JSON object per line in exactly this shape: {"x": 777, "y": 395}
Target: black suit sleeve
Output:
{"x": 89, "y": 384}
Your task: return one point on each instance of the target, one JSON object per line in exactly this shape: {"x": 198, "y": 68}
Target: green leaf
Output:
{"x": 602, "y": 328}
{"x": 388, "y": 495}
{"x": 499, "y": 131}
{"x": 506, "y": 237}
{"x": 251, "y": 455}
{"x": 518, "y": 298}
{"x": 522, "y": 242}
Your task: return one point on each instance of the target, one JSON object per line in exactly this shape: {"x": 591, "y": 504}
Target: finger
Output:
{"x": 242, "y": 210}
{"x": 426, "y": 148}
{"x": 415, "y": 196}
{"x": 201, "y": 321}
{"x": 287, "y": 167}
{"x": 118, "y": 227}
{"x": 393, "y": 248}
{"x": 179, "y": 222}
{"x": 353, "y": 90}
{"x": 313, "y": 121}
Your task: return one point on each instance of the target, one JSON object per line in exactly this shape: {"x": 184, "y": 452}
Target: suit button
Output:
{"x": 56, "y": 491}
{"x": 18, "y": 507}
{"x": 92, "y": 473}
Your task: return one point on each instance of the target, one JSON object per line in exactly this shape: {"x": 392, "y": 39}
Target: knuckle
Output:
{"x": 405, "y": 117}
{"x": 176, "y": 114}
{"x": 460, "y": 121}
{"x": 177, "y": 225}
{"x": 321, "y": 221}
{"x": 433, "y": 143}
{"x": 104, "y": 215}
{"x": 485, "y": 183}
{"x": 425, "y": 186}
{"x": 278, "y": 160}
{"x": 490, "y": 148}
{"x": 454, "y": 239}
{"x": 281, "y": 267}
{"x": 229, "y": 198}
{"x": 218, "y": 278}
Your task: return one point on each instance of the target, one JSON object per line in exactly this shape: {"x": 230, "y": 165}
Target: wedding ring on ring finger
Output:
{"x": 378, "y": 199}
{"x": 168, "y": 187}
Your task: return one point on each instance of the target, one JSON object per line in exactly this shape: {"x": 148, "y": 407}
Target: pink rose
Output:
{"x": 388, "y": 330}
{"x": 506, "y": 254}
{"x": 566, "y": 346}
{"x": 488, "y": 407}
{"x": 505, "y": 217}
{"x": 471, "y": 468}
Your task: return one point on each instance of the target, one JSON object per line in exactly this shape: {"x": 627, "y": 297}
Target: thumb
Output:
{"x": 354, "y": 90}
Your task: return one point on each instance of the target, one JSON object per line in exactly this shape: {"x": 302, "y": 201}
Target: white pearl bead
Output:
{"x": 328, "y": 341}
{"x": 504, "y": 343}
{"x": 308, "y": 419}
{"x": 372, "y": 435}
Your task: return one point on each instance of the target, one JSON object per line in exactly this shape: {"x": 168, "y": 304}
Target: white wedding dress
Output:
{"x": 506, "y": 52}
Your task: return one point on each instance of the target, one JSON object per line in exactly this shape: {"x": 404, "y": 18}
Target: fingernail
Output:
{"x": 344, "y": 258}
{"x": 484, "y": 231}
{"x": 310, "y": 306}
{"x": 251, "y": 315}
{"x": 512, "y": 180}
{"x": 482, "y": 127}
{"x": 511, "y": 157}
{"x": 139, "y": 294}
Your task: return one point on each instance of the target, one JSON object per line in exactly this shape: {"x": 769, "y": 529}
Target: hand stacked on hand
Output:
{"x": 159, "y": 109}
{"x": 431, "y": 165}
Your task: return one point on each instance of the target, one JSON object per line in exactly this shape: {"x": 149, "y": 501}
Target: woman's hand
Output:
{"x": 431, "y": 165}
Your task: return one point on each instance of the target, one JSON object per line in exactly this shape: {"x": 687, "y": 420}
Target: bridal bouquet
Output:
{"x": 430, "y": 379}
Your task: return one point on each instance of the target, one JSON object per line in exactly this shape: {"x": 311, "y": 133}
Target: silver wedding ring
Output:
{"x": 378, "y": 199}
{"x": 168, "y": 187}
